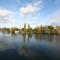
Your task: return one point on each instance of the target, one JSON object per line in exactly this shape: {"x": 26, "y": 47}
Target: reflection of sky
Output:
{"x": 16, "y": 41}
{"x": 44, "y": 46}
{"x": 31, "y": 46}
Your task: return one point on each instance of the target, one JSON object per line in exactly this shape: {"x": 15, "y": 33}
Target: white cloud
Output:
{"x": 28, "y": 10}
{"x": 5, "y": 15}
{"x": 55, "y": 18}
{"x": 31, "y": 8}
{"x": 4, "y": 12}
{"x": 37, "y": 2}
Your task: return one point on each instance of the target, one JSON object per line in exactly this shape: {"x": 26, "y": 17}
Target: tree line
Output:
{"x": 37, "y": 30}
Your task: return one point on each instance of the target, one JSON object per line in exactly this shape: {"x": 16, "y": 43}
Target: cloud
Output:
{"x": 28, "y": 10}
{"x": 4, "y": 12}
{"x": 5, "y": 15}
{"x": 55, "y": 18}
{"x": 31, "y": 8}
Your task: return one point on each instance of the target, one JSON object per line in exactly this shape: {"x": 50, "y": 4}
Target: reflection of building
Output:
{"x": 25, "y": 27}
{"x": 58, "y": 29}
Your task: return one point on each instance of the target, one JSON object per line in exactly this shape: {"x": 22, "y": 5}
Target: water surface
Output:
{"x": 29, "y": 46}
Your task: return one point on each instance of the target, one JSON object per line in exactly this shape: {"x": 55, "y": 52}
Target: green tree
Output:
{"x": 13, "y": 29}
{"x": 42, "y": 30}
{"x": 29, "y": 30}
{"x": 51, "y": 29}
{"x": 37, "y": 30}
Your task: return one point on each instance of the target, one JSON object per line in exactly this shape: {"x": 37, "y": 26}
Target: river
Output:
{"x": 29, "y": 47}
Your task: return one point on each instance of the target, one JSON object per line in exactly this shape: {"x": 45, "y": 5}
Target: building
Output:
{"x": 25, "y": 27}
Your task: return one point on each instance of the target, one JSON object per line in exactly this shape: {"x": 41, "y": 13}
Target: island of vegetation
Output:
{"x": 49, "y": 30}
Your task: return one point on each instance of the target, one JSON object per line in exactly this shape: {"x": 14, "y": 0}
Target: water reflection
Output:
{"x": 29, "y": 36}
{"x": 30, "y": 44}
{"x": 49, "y": 38}
{"x": 37, "y": 36}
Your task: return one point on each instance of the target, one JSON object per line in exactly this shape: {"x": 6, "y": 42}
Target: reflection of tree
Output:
{"x": 13, "y": 34}
{"x": 47, "y": 37}
{"x": 37, "y": 36}
{"x": 24, "y": 50}
{"x": 29, "y": 36}
{"x": 51, "y": 37}
{"x": 24, "y": 37}
{"x": 44, "y": 37}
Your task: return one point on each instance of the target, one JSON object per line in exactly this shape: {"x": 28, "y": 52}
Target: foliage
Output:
{"x": 37, "y": 30}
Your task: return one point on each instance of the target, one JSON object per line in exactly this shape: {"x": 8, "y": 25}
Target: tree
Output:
{"x": 13, "y": 29}
{"x": 51, "y": 29}
{"x": 42, "y": 30}
{"x": 37, "y": 30}
{"x": 29, "y": 29}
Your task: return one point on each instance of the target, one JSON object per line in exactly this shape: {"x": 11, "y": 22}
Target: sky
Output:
{"x": 36, "y": 12}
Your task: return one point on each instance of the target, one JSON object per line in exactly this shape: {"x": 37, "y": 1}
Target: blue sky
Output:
{"x": 37, "y": 12}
